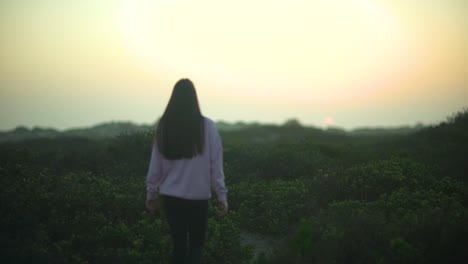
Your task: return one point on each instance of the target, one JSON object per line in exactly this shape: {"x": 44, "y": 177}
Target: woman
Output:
{"x": 186, "y": 160}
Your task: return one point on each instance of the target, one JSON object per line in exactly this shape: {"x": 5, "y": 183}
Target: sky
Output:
{"x": 348, "y": 63}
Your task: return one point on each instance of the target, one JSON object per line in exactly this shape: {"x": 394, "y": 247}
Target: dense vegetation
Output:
{"x": 325, "y": 196}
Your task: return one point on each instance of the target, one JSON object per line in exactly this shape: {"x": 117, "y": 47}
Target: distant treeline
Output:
{"x": 115, "y": 128}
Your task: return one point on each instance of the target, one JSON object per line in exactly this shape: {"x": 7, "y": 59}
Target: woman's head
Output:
{"x": 180, "y": 132}
{"x": 183, "y": 101}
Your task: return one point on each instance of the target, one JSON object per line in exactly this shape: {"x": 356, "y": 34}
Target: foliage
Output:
{"x": 89, "y": 218}
{"x": 327, "y": 197}
{"x": 269, "y": 207}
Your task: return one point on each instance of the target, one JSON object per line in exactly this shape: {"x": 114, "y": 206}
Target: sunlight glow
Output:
{"x": 313, "y": 47}
{"x": 362, "y": 62}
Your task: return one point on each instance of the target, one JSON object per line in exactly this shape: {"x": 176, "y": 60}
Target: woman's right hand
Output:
{"x": 152, "y": 205}
{"x": 223, "y": 207}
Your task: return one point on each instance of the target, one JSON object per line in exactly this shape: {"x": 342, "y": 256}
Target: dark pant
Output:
{"x": 187, "y": 221}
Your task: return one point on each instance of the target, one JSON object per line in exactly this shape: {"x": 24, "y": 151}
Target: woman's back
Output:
{"x": 191, "y": 178}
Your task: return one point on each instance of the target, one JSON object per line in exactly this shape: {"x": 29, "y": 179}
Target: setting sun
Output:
{"x": 328, "y": 121}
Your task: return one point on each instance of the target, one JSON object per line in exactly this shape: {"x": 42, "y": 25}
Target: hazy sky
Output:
{"x": 350, "y": 62}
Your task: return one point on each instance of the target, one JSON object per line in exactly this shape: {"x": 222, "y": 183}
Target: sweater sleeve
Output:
{"x": 216, "y": 160}
{"x": 154, "y": 175}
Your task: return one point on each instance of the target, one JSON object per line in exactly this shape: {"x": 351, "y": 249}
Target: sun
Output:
{"x": 328, "y": 121}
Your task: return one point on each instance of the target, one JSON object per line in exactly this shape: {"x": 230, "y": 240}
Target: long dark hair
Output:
{"x": 180, "y": 132}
